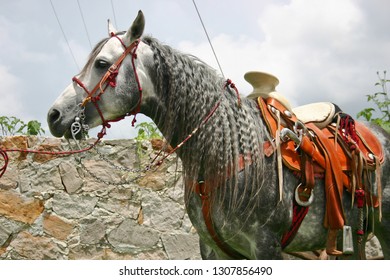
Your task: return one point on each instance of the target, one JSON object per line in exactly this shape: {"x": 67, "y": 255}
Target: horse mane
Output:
{"x": 189, "y": 89}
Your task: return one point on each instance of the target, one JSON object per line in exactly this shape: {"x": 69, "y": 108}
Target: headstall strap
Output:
{"x": 112, "y": 34}
{"x": 109, "y": 79}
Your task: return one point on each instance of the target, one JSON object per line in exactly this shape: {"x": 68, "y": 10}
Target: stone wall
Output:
{"x": 96, "y": 205}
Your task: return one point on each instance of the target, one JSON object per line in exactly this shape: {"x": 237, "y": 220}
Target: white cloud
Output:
{"x": 319, "y": 50}
{"x": 319, "y": 22}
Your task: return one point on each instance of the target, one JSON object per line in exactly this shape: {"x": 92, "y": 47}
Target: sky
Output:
{"x": 321, "y": 50}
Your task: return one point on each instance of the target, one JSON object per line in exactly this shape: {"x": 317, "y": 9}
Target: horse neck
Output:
{"x": 187, "y": 91}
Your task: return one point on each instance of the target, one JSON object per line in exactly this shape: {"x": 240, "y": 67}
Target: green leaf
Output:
{"x": 34, "y": 128}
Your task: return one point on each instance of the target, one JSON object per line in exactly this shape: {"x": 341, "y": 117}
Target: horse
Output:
{"x": 223, "y": 137}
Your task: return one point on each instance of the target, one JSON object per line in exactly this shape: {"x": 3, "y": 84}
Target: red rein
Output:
{"x": 109, "y": 79}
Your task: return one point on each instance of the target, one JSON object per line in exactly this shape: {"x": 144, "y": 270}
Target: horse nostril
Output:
{"x": 53, "y": 116}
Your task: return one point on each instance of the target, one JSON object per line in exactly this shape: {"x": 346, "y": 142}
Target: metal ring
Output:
{"x": 303, "y": 203}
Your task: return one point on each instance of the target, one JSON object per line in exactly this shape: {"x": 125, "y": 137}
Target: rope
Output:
{"x": 63, "y": 34}
{"x": 113, "y": 11}
{"x": 208, "y": 38}
{"x": 6, "y": 160}
{"x": 228, "y": 83}
{"x": 205, "y": 120}
{"x": 3, "y": 152}
{"x": 85, "y": 26}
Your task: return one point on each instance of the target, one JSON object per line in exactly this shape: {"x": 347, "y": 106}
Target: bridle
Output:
{"x": 94, "y": 95}
{"x": 109, "y": 79}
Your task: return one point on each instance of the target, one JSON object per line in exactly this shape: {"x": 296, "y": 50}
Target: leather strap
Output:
{"x": 307, "y": 177}
{"x": 334, "y": 213}
{"x": 204, "y": 191}
{"x": 204, "y": 188}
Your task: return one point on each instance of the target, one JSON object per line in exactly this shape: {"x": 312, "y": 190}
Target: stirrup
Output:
{"x": 303, "y": 203}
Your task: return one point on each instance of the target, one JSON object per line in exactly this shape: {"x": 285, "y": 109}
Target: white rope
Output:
{"x": 113, "y": 11}
{"x": 63, "y": 34}
{"x": 85, "y": 26}
{"x": 208, "y": 38}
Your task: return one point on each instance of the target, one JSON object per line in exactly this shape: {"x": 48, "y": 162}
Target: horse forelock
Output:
{"x": 189, "y": 89}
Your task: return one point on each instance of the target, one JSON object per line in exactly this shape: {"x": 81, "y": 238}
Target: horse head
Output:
{"x": 100, "y": 93}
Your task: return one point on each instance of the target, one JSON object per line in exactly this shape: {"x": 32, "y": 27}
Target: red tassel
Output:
{"x": 347, "y": 128}
{"x": 134, "y": 120}
{"x": 112, "y": 78}
{"x": 360, "y": 198}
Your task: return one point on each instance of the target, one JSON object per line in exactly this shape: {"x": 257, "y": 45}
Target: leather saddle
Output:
{"x": 327, "y": 143}
{"x": 318, "y": 140}
{"x": 323, "y": 116}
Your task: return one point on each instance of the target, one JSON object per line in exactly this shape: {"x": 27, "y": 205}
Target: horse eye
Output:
{"x": 101, "y": 64}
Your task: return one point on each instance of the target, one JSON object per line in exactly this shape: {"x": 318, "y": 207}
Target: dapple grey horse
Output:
{"x": 180, "y": 92}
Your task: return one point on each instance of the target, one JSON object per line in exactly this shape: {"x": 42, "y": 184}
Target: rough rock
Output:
{"x": 57, "y": 227}
{"x": 8, "y": 180}
{"x": 19, "y": 208}
{"x": 154, "y": 181}
{"x": 70, "y": 177}
{"x": 16, "y": 142}
{"x": 73, "y": 207}
{"x": 91, "y": 206}
{"x": 161, "y": 212}
{"x": 130, "y": 237}
{"x": 43, "y": 248}
{"x": 92, "y": 232}
{"x": 4, "y": 235}
{"x": 41, "y": 158}
{"x": 181, "y": 246}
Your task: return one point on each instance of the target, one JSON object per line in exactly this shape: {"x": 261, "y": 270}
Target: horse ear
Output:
{"x": 111, "y": 28}
{"x": 136, "y": 29}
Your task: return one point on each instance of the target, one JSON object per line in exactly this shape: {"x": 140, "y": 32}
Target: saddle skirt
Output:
{"x": 325, "y": 119}
{"x": 368, "y": 145}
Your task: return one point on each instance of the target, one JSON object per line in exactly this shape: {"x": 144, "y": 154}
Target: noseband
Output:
{"x": 109, "y": 79}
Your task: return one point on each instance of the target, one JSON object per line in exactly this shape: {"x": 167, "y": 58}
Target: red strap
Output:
{"x": 299, "y": 213}
{"x": 109, "y": 79}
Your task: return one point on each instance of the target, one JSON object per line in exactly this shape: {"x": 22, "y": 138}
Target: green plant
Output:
{"x": 147, "y": 131}
{"x": 381, "y": 99}
{"x": 34, "y": 128}
{"x": 10, "y": 126}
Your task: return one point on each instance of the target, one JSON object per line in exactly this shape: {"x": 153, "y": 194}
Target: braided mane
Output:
{"x": 189, "y": 89}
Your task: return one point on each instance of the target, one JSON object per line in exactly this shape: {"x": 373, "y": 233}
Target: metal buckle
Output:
{"x": 287, "y": 134}
{"x": 303, "y": 203}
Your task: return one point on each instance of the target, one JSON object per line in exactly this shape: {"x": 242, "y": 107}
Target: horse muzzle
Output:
{"x": 60, "y": 126}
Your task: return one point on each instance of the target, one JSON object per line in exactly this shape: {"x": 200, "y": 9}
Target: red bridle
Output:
{"x": 109, "y": 79}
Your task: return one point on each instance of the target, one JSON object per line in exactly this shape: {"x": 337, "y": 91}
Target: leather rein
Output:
{"x": 109, "y": 79}
{"x": 94, "y": 95}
